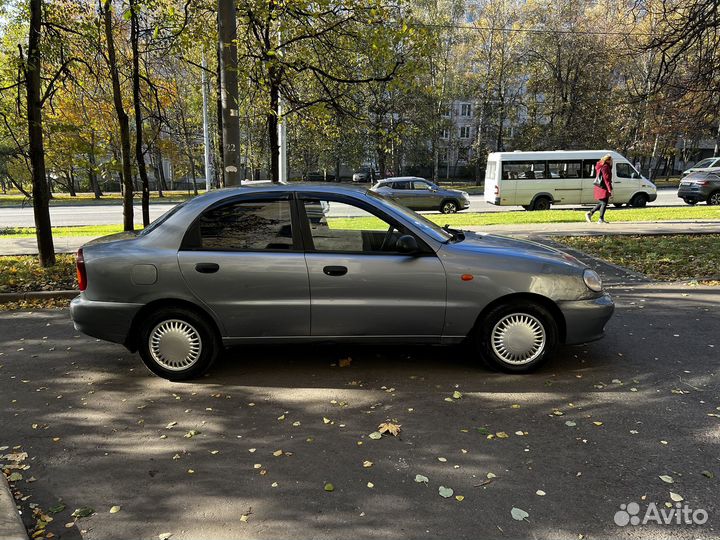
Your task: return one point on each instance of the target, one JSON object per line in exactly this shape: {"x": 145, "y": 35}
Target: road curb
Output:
{"x": 11, "y": 525}
{"x": 6, "y": 298}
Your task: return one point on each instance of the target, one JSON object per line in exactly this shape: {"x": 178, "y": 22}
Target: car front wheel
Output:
{"x": 714, "y": 198}
{"x": 448, "y": 207}
{"x": 517, "y": 337}
{"x": 177, "y": 344}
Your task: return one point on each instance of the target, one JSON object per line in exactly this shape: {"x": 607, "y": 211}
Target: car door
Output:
{"x": 424, "y": 196}
{"x": 401, "y": 192}
{"x": 244, "y": 260}
{"x": 359, "y": 284}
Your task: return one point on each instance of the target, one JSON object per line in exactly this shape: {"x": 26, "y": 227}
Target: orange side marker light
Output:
{"x": 467, "y": 277}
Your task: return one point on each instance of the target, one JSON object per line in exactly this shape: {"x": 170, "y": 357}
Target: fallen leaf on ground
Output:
{"x": 375, "y": 435}
{"x": 445, "y": 492}
{"x": 367, "y": 464}
{"x": 326, "y": 420}
{"x": 370, "y": 485}
{"x": 329, "y": 487}
{"x": 707, "y": 474}
{"x": 518, "y": 514}
{"x": 389, "y": 427}
{"x": 277, "y": 453}
{"x": 459, "y": 498}
{"x": 190, "y": 434}
{"x": 667, "y": 479}
{"x": 675, "y": 497}
{"x": 420, "y": 479}
{"x": 540, "y": 493}
{"x": 502, "y": 435}
{"x": 115, "y": 509}
{"x": 82, "y": 512}
{"x": 570, "y": 423}
{"x": 164, "y": 536}
{"x": 457, "y": 395}
{"x": 345, "y": 362}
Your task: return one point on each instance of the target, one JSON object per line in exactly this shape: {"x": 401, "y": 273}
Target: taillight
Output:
{"x": 703, "y": 183}
{"x": 81, "y": 272}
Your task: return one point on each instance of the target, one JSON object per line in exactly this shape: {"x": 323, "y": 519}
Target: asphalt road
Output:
{"x": 593, "y": 429}
{"x": 112, "y": 213}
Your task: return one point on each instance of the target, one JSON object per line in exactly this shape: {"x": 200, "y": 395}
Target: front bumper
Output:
{"x": 585, "y": 320}
{"x": 464, "y": 203}
{"x": 652, "y": 197}
{"x": 109, "y": 321}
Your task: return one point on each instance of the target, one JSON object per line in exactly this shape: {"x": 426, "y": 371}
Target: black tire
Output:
{"x": 527, "y": 207}
{"x": 448, "y": 206}
{"x": 714, "y": 198}
{"x": 639, "y": 200}
{"x": 541, "y": 203}
{"x": 691, "y": 202}
{"x": 175, "y": 325}
{"x": 528, "y": 317}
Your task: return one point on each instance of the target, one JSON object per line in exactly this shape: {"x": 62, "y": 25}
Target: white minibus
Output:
{"x": 537, "y": 180}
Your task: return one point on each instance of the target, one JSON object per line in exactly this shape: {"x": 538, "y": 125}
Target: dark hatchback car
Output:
{"x": 302, "y": 263}
{"x": 700, "y": 186}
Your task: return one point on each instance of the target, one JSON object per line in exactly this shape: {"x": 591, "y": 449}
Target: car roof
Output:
{"x": 397, "y": 178}
{"x": 269, "y": 187}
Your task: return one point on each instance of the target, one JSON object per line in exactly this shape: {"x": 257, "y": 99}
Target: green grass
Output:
{"x": 549, "y": 216}
{"x": 63, "y": 199}
{"x": 23, "y": 274}
{"x": 83, "y": 230}
{"x": 665, "y": 258}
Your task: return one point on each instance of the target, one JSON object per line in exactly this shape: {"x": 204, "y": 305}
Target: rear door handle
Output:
{"x": 335, "y": 270}
{"x": 207, "y": 268}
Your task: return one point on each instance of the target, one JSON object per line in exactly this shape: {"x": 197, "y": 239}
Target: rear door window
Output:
{"x": 244, "y": 226}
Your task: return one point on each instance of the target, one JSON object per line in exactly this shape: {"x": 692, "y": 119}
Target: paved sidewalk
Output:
{"x": 70, "y": 244}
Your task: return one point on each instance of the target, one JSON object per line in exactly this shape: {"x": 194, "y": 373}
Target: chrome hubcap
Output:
{"x": 175, "y": 345}
{"x": 449, "y": 208}
{"x": 715, "y": 199}
{"x": 518, "y": 338}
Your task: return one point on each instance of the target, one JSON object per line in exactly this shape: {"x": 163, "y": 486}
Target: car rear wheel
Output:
{"x": 177, "y": 344}
{"x": 541, "y": 203}
{"x": 517, "y": 337}
{"x": 448, "y": 207}
{"x": 690, "y": 201}
{"x": 639, "y": 200}
{"x": 714, "y": 198}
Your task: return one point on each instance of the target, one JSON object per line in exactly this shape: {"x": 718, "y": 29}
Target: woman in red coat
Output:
{"x": 603, "y": 192}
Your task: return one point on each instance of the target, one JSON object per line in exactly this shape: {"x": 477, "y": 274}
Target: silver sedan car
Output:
{"x": 420, "y": 194}
{"x": 305, "y": 263}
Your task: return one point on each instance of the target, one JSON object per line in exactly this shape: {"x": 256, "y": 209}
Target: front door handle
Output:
{"x": 207, "y": 268}
{"x": 335, "y": 270}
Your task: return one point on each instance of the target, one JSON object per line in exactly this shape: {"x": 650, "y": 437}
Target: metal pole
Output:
{"x": 282, "y": 138}
{"x": 282, "y": 141}
{"x": 227, "y": 34}
{"x": 209, "y": 173}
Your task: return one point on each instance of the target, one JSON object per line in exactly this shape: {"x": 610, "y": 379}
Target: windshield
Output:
{"x": 428, "y": 227}
{"x": 704, "y": 163}
{"x": 699, "y": 176}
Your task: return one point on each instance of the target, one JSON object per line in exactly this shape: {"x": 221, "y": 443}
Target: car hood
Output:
{"x": 484, "y": 243}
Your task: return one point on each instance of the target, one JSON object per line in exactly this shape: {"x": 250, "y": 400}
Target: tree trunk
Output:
{"x": 70, "y": 177}
{"x": 123, "y": 121}
{"x": 159, "y": 170}
{"x": 139, "y": 153}
{"x": 33, "y": 82}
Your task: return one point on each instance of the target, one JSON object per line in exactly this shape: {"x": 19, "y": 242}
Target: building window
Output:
{"x": 466, "y": 109}
{"x": 443, "y": 155}
{"x": 465, "y": 132}
{"x": 444, "y": 133}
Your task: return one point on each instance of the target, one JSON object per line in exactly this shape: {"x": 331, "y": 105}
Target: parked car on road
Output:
{"x": 301, "y": 263}
{"x": 704, "y": 165}
{"x": 700, "y": 186}
{"x": 420, "y": 194}
{"x": 364, "y": 174}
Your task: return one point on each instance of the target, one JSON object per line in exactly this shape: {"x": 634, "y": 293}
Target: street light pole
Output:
{"x": 209, "y": 173}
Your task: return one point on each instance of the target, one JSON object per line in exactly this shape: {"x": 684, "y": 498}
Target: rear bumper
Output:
{"x": 694, "y": 193}
{"x": 109, "y": 321}
{"x": 585, "y": 320}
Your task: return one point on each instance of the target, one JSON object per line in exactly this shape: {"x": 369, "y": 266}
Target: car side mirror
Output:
{"x": 407, "y": 244}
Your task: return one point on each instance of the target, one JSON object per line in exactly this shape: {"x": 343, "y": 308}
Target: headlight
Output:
{"x": 592, "y": 280}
